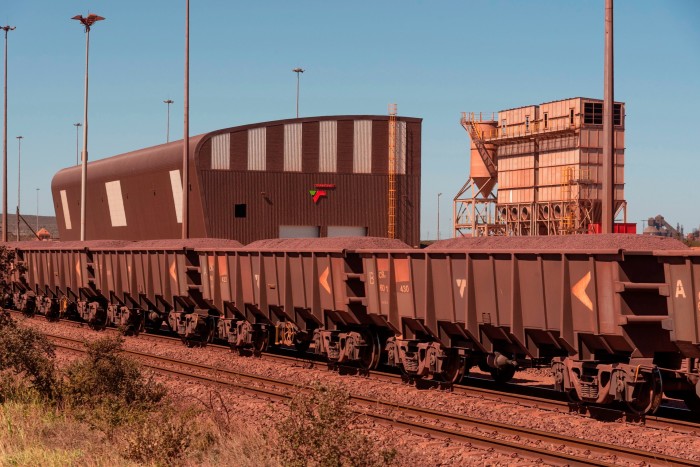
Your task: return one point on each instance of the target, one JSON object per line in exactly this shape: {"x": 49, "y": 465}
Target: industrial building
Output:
{"x": 538, "y": 170}
{"x": 306, "y": 177}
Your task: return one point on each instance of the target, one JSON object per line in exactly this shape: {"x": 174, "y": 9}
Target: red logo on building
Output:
{"x": 319, "y": 191}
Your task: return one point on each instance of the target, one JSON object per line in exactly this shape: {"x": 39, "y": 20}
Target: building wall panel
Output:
{"x": 310, "y": 146}
{"x": 292, "y": 147}
{"x": 274, "y": 150}
{"x": 346, "y": 138}
{"x": 328, "y": 146}
{"x": 362, "y": 147}
{"x": 221, "y": 152}
{"x": 239, "y": 150}
{"x": 257, "y": 148}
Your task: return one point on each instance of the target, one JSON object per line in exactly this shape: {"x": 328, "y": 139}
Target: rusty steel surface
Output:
{"x": 249, "y": 181}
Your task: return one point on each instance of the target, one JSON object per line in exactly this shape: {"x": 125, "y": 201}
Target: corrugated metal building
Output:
{"x": 319, "y": 176}
{"x": 538, "y": 170}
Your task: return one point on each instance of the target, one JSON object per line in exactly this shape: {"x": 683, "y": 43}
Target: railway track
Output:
{"x": 528, "y": 396}
{"x": 517, "y": 441}
{"x": 537, "y": 397}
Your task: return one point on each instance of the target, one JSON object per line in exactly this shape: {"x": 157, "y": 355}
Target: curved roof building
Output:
{"x": 318, "y": 176}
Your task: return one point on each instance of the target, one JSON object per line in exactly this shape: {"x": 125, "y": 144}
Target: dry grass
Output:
{"x": 32, "y": 434}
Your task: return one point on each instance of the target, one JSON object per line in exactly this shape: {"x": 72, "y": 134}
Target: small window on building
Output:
{"x": 503, "y": 127}
{"x": 571, "y": 117}
{"x": 546, "y": 120}
{"x": 527, "y": 123}
{"x": 239, "y": 211}
{"x": 617, "y": 114}
{"x": 593, "y": 113}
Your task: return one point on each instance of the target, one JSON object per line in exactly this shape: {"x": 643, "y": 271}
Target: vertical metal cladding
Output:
{"x": 257, "y": 148}
{"x": 292, "y": 147}
{"x": 328, "y": 146}
{"x": 362, "y": 148}
{"x": 221, "y": 152}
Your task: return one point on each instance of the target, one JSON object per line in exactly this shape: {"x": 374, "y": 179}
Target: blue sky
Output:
{"x": 434, "y": 59}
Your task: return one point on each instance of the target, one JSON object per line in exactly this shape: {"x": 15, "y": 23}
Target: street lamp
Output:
{"x": 4, "y": 146}
{"x": 167, "y": 128}
{"x": 19, "y": 171}
{"x": 438, "y": 216}
{"x": 86, "y": 21}
{"x": 298, "y": 71}
{"x": 77, "y": 132}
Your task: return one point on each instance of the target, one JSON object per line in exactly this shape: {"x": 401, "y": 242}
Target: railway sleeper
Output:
{"x": 638, "y": 384}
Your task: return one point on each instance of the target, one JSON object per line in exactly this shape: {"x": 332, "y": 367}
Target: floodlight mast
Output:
{"x": 87, "y": 22}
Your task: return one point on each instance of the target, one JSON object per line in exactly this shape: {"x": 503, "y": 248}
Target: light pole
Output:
{"x": 167, "y": 128}
{"x": 186, "y": 138}
{"x": 438, "y": 220}
{"x": 77, "y": 132}
{"x": 37, "y": 210}
{"x": 4, "y": 146}
{"x": 19, "y": 171}
{"x": 86, "y": 21}
{"x": 298, "y": 71}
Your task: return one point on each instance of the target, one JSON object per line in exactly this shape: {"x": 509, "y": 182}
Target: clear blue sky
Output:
{"x": 433, "y": 59}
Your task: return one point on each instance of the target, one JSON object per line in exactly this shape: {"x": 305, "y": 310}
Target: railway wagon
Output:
{"x": 616, "y": 317}
{"x": 143, "y": 284}
{"x": 55, "y": 276}
{"x": 297, "y": 292}
{"x": 600, "y": 310}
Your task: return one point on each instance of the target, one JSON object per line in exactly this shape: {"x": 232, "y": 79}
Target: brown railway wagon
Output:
{"x": 294, "y": 286}
{"x": 617, "y": 317}
{"x": 312, "y": 176}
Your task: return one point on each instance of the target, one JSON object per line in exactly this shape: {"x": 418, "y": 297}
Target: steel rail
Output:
{"x": 677, "y": 419}
{"x": 436, "y": 423}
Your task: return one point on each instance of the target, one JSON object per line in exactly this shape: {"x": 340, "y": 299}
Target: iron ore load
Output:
{"x": 616, "y": 317}
{"x": 306, "y": 177}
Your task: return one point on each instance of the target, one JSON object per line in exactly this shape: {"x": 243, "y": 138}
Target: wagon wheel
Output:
{"x": 503, "y": 374}
{"x": 261, "y": 342}
{"x": 647, "y": 396}
{"x": 373, "y": 350}
{"x": 302, "y": 341}
{"x": 453, "y": 368}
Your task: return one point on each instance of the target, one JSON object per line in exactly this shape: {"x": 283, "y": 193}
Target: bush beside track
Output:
{"x": 104, "y": 409}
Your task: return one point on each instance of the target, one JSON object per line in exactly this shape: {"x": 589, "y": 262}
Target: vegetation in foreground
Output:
{"x": 105, "y": 410}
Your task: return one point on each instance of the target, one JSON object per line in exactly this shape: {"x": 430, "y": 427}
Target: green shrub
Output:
{"x": 319, "y": 431}
{"x": 29, "y": 355}
{"x": 107, "y": 389}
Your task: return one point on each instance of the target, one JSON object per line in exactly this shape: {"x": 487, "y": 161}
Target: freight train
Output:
{"x": 616, "y": 317}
